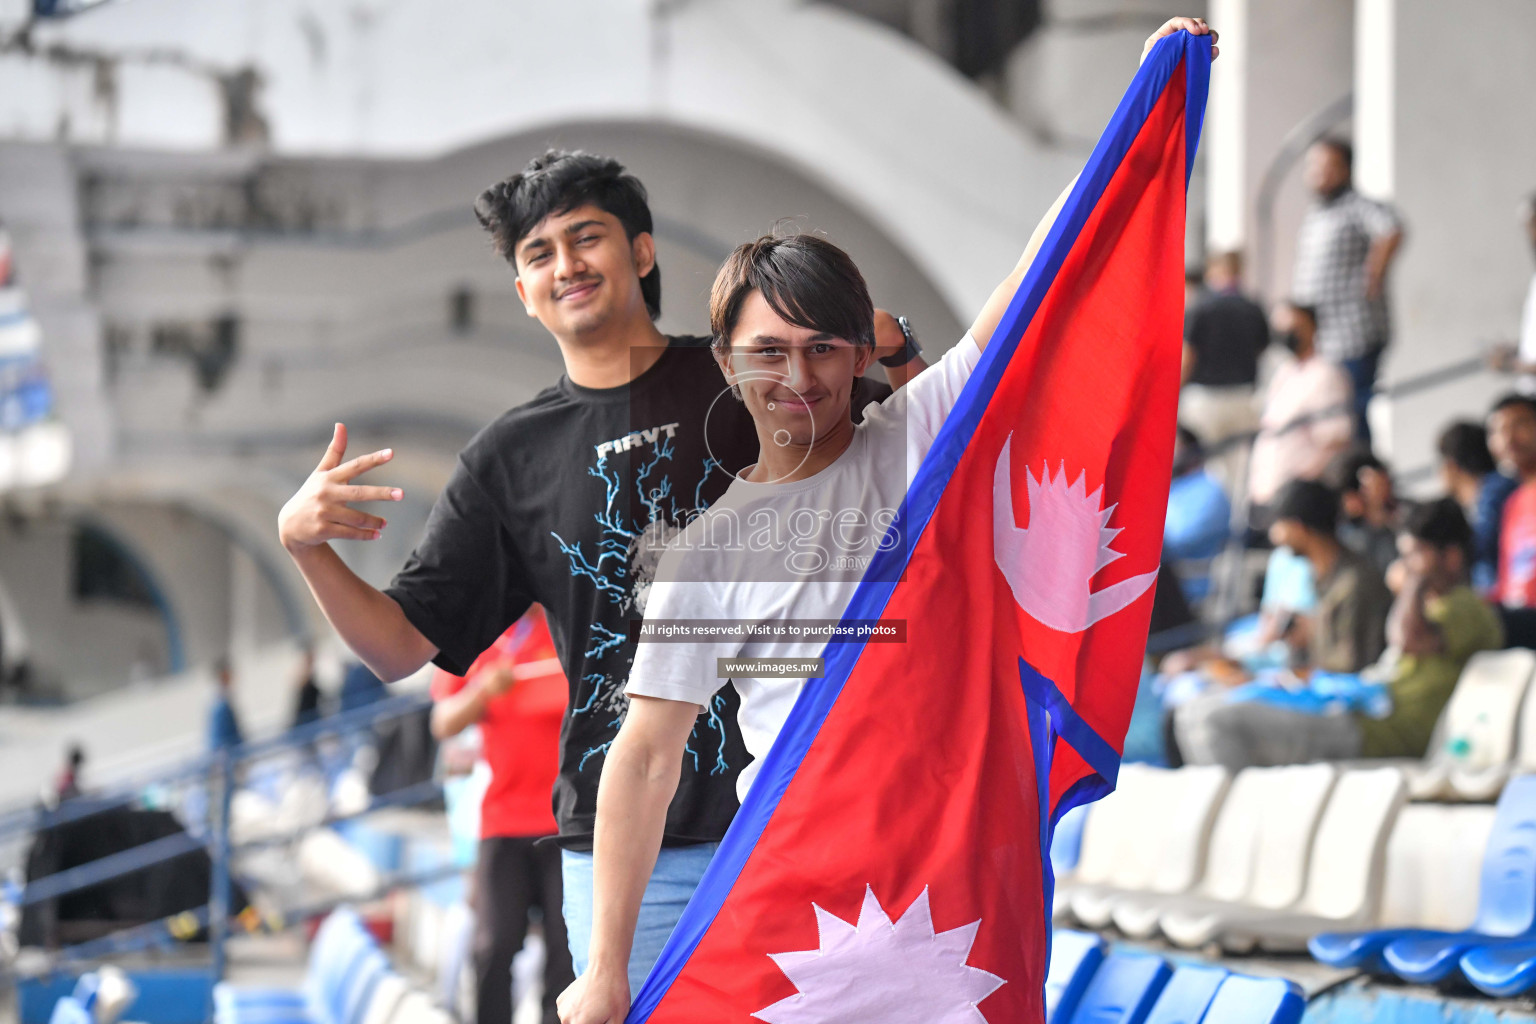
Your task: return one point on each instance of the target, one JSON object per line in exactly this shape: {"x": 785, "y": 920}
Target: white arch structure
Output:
{"x": 880, "y": 122}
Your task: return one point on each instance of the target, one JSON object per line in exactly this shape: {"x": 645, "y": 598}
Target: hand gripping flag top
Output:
{"x": 891, "y": 861}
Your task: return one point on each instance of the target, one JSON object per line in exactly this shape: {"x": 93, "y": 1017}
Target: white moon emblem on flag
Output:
{"x": 1050, "y": 565}
{"x": 876, "y": 970}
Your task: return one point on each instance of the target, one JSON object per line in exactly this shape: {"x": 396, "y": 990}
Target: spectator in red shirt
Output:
{"x": 516, "y": 693}
{"x": 1512, "y": 440}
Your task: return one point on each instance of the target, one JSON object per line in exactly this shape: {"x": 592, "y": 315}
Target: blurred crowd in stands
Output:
{"x": 1368, "y": 604}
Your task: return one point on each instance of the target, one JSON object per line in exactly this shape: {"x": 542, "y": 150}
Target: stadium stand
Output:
{"x": 1507, "y": 909}
{"x": 349, "y": 981}
{"x": 1344, "y": 867}
{"x": 1473, "y": 752}
{"x": 1085, "y": 984}
{"x": 1173, "y": 812}
{"x": 1507, "y": 906}
{"x": 1235, "y": 841}
{"x": 1074, "y": 958}
{"x": 1502, "y": 970}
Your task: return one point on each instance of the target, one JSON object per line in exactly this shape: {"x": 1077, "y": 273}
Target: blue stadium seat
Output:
{"x": 1506, "y": 905}
{"x": 69, "y": 1011}
{"x": 1502, "y": 971}
{"x": 1122, "y": 990}
{"x": 341, "y": 948}
{"x": 1074, "y": 958}
{"x": 358, "y": 989}
{"x": 1244, "y": 1000}
{"x": 1187, "y": 995}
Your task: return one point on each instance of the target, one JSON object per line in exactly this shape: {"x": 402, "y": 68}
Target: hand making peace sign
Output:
{"x": 322, "y": 509}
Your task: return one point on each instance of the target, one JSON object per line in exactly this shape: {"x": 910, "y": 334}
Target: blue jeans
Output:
{"x": 1362, "y": 374}
{"x": 677, "y": 874}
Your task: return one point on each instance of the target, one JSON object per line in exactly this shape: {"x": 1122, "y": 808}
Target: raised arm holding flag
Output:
{"x": 890, "y": 860}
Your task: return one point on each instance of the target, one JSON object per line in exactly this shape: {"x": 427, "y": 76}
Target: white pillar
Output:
{"x": 1375, "y": 96}
{"x": 1280, "y": 64}
{"x": 1226, "y": 131}
{"x": 1459, "y": 132}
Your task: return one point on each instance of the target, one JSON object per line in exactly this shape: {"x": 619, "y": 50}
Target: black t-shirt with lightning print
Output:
{"x": 567, "y": 501}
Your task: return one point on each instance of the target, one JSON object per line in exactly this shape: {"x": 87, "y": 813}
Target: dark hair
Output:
{"x": 1343, "y": 472}
{"x": 1229, "y": 259}
{"x": 1465, "y": 446}
{"x": 1310, "y": 312}
{"x": 1440, "y": 524}
{"x": 1512, "y": 399}
{"x": 1188, "y": 454}
{"x": 805, "y": 279}
{"x": 1340, "y": 146}
{"x": 1312, "y": 504}
{"x": 558, "y": 182}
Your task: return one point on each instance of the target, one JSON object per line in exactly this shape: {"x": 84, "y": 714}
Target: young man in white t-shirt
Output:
{"x": 788, "y": 543}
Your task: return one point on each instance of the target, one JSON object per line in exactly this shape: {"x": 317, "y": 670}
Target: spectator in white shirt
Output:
{"x": 1308, "y": 415}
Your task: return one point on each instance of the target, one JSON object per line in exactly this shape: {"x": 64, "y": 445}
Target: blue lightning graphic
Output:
{"x": 652, "y": 498}
{"x": 596, "y": 679}
{"x": 716, "y": 723}
{"x": 710, "y": 465}
{"x": 606, "y": 564}
{"x": 581, "y": 567}
{"x": 603, "y": 640}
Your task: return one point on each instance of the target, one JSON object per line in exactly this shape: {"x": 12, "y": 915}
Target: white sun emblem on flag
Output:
{"x": 879, "y": 971}
{"x": 1050, "y": 564}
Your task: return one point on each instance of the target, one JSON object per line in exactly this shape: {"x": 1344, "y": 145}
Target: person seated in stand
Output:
{"x": 1436, "y": 623}
{"x": 1345, "y": 633}
{"x": 1275, "y": 637}
{"x": 1470, "y": 476}
{"x": 1199, "y": 518}
{"x": 1512, "y": 440}
{"x": 1368, "y": 505}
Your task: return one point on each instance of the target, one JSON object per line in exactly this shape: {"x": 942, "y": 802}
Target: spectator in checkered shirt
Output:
{"x": 1344, "y": 249}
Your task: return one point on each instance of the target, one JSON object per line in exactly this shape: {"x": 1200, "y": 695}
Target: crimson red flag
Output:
{"x": 890, "y": 861}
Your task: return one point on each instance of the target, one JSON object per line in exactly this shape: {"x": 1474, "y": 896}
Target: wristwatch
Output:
{"x": 910, "y": 351}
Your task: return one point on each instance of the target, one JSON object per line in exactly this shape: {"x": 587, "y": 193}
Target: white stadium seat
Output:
{"x": 1233, "y": 848}
{"x": 387, "y": 997}
{"x": 1109, "y": 834}
{"x": 1344, "y": 874}
{"x": 1175, "y": 810}
{"x": 1279, "y": 868}
{"x": 1433, "y": 864}
{"x": 1473, "y": 748}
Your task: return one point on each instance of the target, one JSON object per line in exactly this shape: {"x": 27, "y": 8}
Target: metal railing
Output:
{"x": 218, "y": 774}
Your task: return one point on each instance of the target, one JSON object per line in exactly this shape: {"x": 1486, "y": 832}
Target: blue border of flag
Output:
{"x": 816, "y": 700}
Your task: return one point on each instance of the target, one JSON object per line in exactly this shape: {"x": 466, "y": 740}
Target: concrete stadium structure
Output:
{"x": 239, "y": 223}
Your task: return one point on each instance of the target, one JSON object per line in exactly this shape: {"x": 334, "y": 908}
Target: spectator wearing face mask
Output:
{"x": 1308, "y": 414}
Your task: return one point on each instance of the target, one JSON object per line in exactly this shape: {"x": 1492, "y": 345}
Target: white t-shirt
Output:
{"x": 791, "y": 551}
{"x": 1527, "y": 346}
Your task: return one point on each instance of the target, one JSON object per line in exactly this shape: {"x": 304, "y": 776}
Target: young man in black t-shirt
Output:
{"x": 567, "y": 501}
